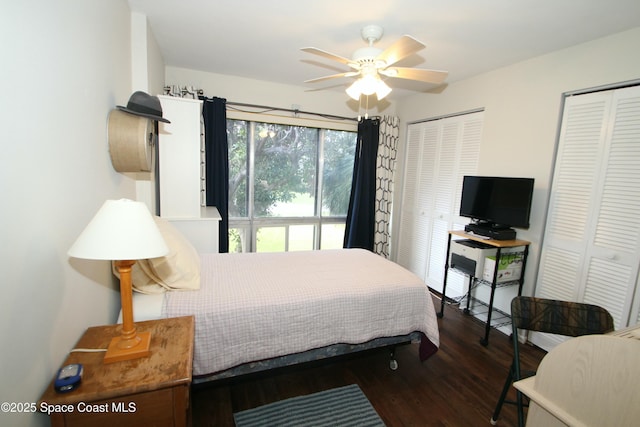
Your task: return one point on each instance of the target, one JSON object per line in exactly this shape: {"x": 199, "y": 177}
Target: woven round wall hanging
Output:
{"x": 131, "y": 140}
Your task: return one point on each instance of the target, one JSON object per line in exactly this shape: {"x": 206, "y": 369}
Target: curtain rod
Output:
{"x": 191, "y": 92}
{"x": 289, "y": 110}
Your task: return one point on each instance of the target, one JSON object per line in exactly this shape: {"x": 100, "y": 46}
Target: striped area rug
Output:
{"x": 343, "y": 406}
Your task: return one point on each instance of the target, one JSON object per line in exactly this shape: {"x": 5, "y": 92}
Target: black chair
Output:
{"x": 555, "y": 317}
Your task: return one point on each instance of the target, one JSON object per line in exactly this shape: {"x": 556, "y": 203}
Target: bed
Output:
{"x": 257, "y": 311}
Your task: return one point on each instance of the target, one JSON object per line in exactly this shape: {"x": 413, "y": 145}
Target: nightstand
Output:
{"x": 151, "y": 390}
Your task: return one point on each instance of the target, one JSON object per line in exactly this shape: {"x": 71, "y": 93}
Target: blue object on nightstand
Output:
{"x": 68, "y": 378}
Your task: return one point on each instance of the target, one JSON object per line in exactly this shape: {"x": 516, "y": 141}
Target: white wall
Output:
{"x": 65, "y": 65}
{"x": 147, "y": 70}
{"x": 147, "y": 75}
{"x": 522, "y": 106}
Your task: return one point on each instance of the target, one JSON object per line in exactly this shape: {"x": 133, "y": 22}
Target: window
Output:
{"x": 289, "y": 186}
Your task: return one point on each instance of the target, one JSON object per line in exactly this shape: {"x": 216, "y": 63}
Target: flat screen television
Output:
{"x": 497, "y": 202}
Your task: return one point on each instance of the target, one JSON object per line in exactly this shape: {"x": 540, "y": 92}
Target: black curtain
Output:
{"x": 214, "y": 112}
{"x": 360, "y": 226}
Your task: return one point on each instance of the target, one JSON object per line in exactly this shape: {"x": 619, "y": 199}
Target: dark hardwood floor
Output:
{"x": 458, "y": 386}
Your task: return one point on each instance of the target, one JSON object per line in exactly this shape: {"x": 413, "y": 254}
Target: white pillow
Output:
{"x": 178, "y": 270}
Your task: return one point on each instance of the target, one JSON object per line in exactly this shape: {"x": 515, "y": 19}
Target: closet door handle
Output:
{"x": 613, "y": 256}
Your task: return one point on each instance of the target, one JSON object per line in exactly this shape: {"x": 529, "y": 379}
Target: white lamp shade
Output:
{"x": 121, "y": 230}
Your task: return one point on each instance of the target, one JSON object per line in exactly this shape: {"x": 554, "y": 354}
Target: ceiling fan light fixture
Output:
{"x": 371, "y": 63}
{"x": 382, "y": 90}
{"x": 368, "y": 85}
{"x": 354, "y": 90}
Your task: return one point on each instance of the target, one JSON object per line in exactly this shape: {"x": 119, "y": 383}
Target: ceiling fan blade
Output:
{"x": 405, "y": 46}
{"x": 333, "y": 76}
{"x": 428, "y": 76}
{"x": 328, "y": 55}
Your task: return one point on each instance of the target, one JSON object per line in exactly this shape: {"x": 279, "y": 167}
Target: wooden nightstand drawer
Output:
{"x": 149, "y": 391}
{"x": 167, "y": 407}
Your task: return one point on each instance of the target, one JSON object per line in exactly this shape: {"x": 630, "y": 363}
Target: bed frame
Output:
{"x": 426, "y": 350}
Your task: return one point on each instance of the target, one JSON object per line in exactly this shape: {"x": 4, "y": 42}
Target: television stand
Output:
{"x": 491, "y": 231}
{"x": 498, "y": 245}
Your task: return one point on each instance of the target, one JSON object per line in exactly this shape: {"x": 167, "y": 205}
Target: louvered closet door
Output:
{"x": 591, "y": 250}
{"x": 439, "y": 154}
{"x": 458, "y": 153}
{"x": 415, "y": 225}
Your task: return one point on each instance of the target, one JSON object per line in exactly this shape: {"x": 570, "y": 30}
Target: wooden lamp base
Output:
{"x": 118, "y": 350}
{"x": 130, "y": 344}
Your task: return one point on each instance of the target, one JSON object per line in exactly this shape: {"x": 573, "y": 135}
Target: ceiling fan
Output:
{"x": 373, "y": 64}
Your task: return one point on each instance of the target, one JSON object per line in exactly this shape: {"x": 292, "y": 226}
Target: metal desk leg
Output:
{"x": 472, "y": 281}
{"x": 524, "y": 266}
{"x": 487, "y": 327}
{"x": 444, "y": 285}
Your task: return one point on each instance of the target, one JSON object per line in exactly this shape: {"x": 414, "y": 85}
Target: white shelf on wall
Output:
{"x": 203, "y": 231}
{"x": 179, "y": 158}
{"x": 180, "y": 174}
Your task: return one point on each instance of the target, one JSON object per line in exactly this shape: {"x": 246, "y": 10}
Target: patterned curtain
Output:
{"x": 386, "y": 165}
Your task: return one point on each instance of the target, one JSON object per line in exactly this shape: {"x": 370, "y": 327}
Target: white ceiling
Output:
{"x": 261, "y": 39}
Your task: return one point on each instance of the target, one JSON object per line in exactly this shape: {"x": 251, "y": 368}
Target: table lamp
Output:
{"x": 122, "y": 231}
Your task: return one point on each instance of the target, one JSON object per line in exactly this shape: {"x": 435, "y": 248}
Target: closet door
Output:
{"x": 417, "y": 196}
{"x": 591, "y": 250}
{"x": 458, "y": 153}
{"x": 439, "y": 154}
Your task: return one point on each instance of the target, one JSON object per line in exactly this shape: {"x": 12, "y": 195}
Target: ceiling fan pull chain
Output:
{"x": 366, "y": 111}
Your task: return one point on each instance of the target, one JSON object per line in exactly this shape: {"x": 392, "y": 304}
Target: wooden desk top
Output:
{"x": 497, "y": 243}
{"x": 169, "y": 364}
{"x": 588, "y": 380}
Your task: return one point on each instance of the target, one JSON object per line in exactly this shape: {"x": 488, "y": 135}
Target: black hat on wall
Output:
{"x": 145, "y": 105}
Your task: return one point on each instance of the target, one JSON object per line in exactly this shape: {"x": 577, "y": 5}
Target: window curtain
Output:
{"x": 214, "y": 113}
{"x": 385, "y": 167}
{"x": 360, "y": 224}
